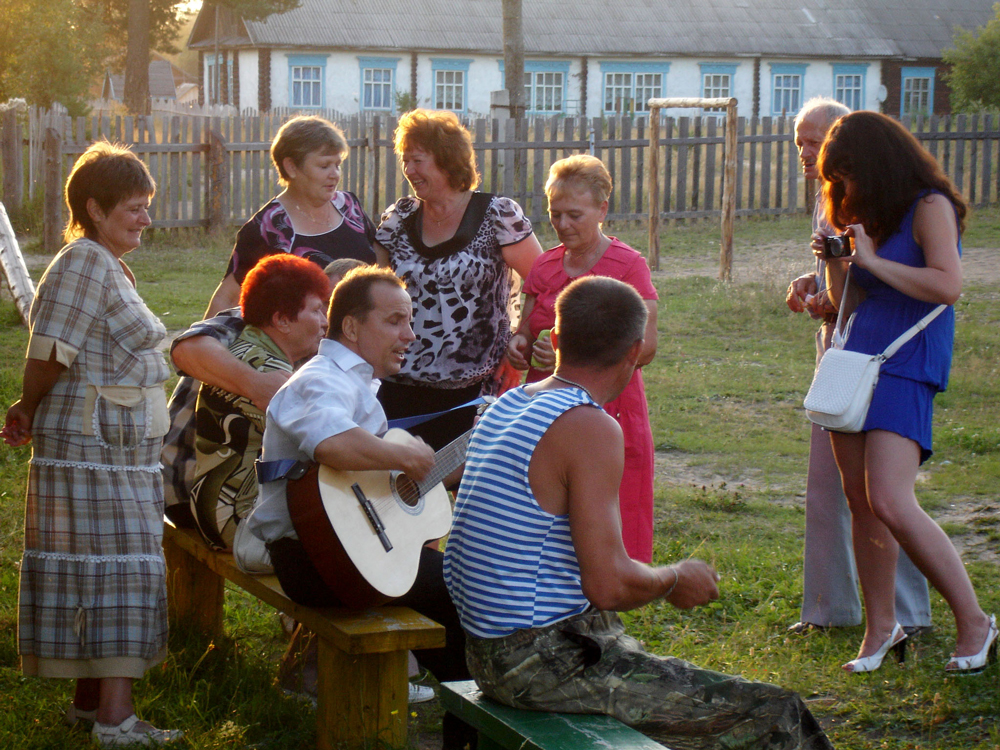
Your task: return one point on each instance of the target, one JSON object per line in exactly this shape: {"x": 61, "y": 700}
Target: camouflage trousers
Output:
{"x": 588, "y": 665}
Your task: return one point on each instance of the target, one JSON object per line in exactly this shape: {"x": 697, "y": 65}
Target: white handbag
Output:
{"x": 844, "y": 382}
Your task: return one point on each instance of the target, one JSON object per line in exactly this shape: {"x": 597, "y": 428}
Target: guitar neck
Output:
{"x": 446, "y": 461}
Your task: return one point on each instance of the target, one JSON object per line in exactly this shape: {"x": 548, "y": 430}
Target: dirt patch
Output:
{"x": 679, "y": 470}
{"x": 780, "y": 262}
{"x": 776, "y": 264}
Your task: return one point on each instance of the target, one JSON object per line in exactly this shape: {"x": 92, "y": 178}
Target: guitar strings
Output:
{"x": 413, "y": 490}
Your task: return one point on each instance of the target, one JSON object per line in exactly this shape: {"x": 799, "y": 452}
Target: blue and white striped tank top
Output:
{"x": 509, "y": 565}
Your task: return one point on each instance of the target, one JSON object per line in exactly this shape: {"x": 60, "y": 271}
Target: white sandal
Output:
{"x": 126, "y": 733}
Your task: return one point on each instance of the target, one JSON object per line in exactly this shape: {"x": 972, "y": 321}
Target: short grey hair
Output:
{"x": 830, "y": 109}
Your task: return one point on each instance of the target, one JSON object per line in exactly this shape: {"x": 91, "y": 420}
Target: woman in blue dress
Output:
{"x": 905, "y": 217}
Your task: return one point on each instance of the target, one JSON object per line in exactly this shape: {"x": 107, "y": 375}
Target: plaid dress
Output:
{"x": 93, "y": 578}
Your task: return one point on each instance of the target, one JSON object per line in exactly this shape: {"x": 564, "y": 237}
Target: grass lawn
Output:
{"x": 725, "y": 394}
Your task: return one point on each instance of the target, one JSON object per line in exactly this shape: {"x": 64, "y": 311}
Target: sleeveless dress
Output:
{"x": 909, "y": 380}
{"x": 546, "y": 280}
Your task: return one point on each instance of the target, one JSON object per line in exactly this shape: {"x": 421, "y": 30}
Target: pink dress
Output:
{"x": 546, "y": 279}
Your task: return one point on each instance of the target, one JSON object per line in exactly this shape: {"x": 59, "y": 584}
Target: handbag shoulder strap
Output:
{"x": 913, "y": 331}
{"x": 839, "y": 334}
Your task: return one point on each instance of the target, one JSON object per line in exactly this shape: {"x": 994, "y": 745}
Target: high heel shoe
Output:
{"x": 968, "y": 665}
{"x": 896, "y": 642}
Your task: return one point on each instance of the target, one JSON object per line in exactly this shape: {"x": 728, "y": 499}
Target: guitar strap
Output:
{"x": 290, "y": 468}
{"x": 405, "y": 423}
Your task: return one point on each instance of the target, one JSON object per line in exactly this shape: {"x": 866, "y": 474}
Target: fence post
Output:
{"x": 371, "y": 146}
{"x": 13, "y": 160}
{"x": 728, "y": 195}
{"x": 653, "y": 175}
{"x": 218, "y": 185}
{"x": 52, "y": 150}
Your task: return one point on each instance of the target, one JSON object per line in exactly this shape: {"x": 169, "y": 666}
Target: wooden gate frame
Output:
{"x": 728, "y": 179}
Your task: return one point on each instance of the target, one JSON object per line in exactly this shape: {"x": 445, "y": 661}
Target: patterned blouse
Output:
{"x": 270, "y": 231}
{"x": 460, "y": 289}
{"x": 229, "y": 433}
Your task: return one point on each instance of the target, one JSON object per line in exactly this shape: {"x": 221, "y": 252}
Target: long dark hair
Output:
{"x": 889, "y": 168}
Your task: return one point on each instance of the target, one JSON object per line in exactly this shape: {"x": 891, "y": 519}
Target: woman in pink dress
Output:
{"x": 578, "y": 189}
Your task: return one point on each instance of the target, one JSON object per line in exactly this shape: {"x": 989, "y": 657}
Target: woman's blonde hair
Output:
{"x": 440, "y": 134}
{"x": 581, "y": 170}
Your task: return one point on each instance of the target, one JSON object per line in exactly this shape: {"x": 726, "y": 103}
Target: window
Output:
{"x": 378, "y": 78}
{"x": 450, "y": 79}
{"x": 629, "y": 86}
{"x": 306, "y": 76}
{"x": 849, "y": 85}
{"x": 786, "y": 88}
{"x": 545, "y": 91}
{"x": 618, "y": 92}
{"x": 224, "y": 86}
{"x": 544, "y": 86}
{"x": 916, "y": 92}
{"x": 717, "y": 82}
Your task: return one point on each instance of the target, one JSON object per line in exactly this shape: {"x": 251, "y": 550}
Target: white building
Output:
{"x": 585, "y": 57}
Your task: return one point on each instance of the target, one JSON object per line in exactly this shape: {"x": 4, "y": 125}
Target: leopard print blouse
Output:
{"x": 460, "y": 289}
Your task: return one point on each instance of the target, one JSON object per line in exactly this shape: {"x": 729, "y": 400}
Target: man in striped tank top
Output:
{"x": 537, "y": 569}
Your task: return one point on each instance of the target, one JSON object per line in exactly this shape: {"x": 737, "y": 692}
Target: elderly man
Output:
{"x": 830, "y": 586}
{"x": 537, "y": 568}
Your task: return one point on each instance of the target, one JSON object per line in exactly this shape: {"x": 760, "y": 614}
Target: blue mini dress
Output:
{"x": 909, "y": 380}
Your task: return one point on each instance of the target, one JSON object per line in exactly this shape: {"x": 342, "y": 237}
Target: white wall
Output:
{"x": 819, "y": 81}
{"x": 249, "y": 62}
{"x": 343, "y": 80}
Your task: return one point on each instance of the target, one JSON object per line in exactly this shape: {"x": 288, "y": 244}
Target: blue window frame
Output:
{"x": 627, "y": 86}
{"x": 717, "y": 81}
{"x": 378, "y": 83}
{"x": 849, "y": 85}
{"x": 451, "y": 80}
{"x": 307, "y": 81}
{"x": 545, "y": 86}
{"x": 786, "y": 87}
{"x": 916, "y": 91}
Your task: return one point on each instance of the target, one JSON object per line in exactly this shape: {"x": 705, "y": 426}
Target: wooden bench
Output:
{"x": 362, "y": 683}
{"x": 503, "y": 728}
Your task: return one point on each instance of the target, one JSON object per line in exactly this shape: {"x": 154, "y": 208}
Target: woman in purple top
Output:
{"x": 310, "y": 217}
{"x": 906, "y": 218}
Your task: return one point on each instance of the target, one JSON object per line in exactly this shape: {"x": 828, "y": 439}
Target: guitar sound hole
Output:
{"x": 407, "y": 490}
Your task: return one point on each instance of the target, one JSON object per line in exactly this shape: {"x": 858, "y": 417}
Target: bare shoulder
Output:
{"x": 584, "y": 427}
{"x": 580, "y": 453}
{"x": 934, "y": 203}
{"x": 934, "y": 218}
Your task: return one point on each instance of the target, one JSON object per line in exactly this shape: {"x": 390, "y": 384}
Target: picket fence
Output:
{"x": 215, "y": 172}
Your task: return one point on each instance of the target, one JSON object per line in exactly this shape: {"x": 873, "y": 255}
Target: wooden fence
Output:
{"x": 215, "y": 172}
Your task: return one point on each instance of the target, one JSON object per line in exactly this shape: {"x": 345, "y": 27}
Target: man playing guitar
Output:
{"x": 327, "y": 413}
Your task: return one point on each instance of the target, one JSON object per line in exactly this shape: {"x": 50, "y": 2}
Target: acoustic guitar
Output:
{"x": 363, "y": 530}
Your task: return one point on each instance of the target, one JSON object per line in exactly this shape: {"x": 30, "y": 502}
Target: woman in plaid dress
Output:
{"x": 93, "y": 579}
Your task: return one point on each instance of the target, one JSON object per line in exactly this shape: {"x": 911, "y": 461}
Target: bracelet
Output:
{"x": 677, "y": 577}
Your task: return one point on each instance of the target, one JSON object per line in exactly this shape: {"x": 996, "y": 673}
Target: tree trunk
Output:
{"x": 137, "y": 58}
{"x": 513, "y": 56}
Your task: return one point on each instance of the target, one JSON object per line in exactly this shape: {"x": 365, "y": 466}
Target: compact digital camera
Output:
{"x": 837, "y": 246}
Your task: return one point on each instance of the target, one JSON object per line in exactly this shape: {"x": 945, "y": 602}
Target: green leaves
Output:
{"x": 975, "y": 75}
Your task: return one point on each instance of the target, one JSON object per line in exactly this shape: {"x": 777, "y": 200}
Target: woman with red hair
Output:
{"x": 283, "y": 301}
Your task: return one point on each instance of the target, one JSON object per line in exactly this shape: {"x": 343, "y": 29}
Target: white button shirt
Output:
{"x": 332, "y": 393}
